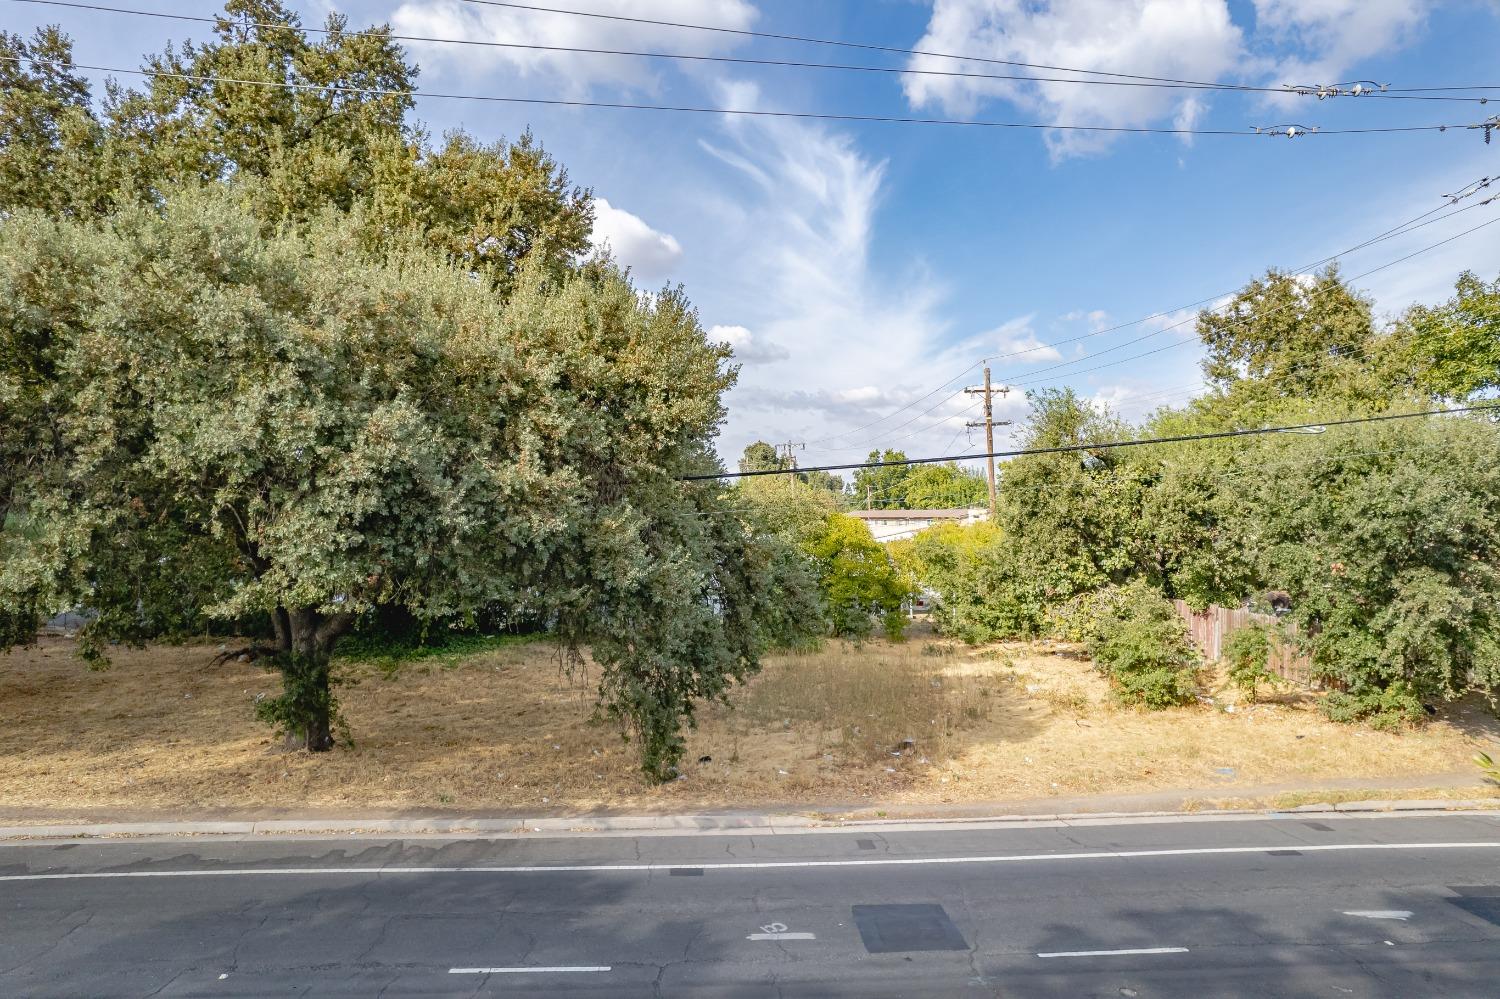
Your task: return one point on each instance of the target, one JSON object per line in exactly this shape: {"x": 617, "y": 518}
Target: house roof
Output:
{"x": 954, "y": 513}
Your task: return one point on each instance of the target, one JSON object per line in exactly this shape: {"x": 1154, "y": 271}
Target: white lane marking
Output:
{"x": 1401, "y": 914}
{"x": 1109, "y": 953}
{"x": 750, "y": 866}
{"x": 781, "y": 936}
{"x": 525, "y": 971}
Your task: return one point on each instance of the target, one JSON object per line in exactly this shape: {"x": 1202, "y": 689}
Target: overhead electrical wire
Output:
{"x": 1100, "y": 445}
{"x": 1399, "y": 230}
{"x": 1148, "y": 353}
{"x": 695, "y": 57}
{"x": 1403, "y": 228}
{"x": 691, "y": 109}
{"x": 896, "y": 50}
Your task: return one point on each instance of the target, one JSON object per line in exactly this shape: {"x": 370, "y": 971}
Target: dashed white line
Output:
{"x": 1401, "y": 914}
{"x": 525, "y": 971}
{"x": 781, "y": 936}
{"x": 1111, "y": 953}
{"x": 748, "y": 865}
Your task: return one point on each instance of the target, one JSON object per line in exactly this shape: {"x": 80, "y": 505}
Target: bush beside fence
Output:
{"x": 1211, "y": 627}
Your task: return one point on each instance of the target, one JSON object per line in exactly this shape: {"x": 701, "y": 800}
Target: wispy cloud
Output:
{"x": 795, "y": 240}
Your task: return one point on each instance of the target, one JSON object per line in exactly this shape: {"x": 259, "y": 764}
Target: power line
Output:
{"x": 871, "y": 47}
{"x": 1410, "y": 225}
{"x": 1170, "y": 346}
{"x": 691, "y": 109}
{"x": 1100, "y": 446}
{"x": 694, "y": 57}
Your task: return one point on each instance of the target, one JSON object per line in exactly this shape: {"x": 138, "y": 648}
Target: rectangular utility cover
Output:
{"x": 895, "y": 929}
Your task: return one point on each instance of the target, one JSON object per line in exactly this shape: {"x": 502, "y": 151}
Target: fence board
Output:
{"x": 1211, "y": 627}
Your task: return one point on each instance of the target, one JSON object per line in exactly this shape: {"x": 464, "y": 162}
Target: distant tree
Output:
{"x": 761, "y": 457}
{"x": 50, "y": 143}
{"x": 1070, "y": 518}
{"x": 826, "y": 481}
{"x": 339, "y": 137}
{"x": 1284, "y": 337}
{"x": 944, "y": 486}
{"x": 1452, "y": 350}
{"x": 881, "y": 488}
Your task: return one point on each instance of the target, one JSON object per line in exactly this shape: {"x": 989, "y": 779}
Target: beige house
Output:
{"x": 893, "y": 525}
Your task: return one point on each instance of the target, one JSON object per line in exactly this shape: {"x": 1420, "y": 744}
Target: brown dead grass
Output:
{"x": 164, "y": 730}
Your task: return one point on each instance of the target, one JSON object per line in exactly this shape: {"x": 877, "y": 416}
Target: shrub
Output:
{"x": 1384, "y": 708}
{"x": 983, "y": 592}
{"x": 1248, "y": 653}
{"x": 1137, "y": 640}
{"x": 857, "y": 578}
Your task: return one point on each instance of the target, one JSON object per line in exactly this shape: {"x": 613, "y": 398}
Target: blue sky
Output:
{"x": 860, "y": 266}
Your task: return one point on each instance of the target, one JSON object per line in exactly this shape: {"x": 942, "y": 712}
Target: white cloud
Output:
{"x": 648, "y": 253}
{"x": 1015, "y": 342}
{"x": 1192, "y": 39}
{"x": 793, "y": 242}
{"x": 1323, "y": 41}
{"x": 574, "y": 72}
{"x": 748, "y": 347}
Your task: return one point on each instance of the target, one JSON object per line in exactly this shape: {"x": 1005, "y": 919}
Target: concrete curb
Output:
{"x": 658, "y": 825}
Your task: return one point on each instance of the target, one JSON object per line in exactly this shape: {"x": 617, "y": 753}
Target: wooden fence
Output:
{"x": 1210, "y": 628}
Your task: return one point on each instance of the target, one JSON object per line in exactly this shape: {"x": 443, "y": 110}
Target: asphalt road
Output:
{"x": 1291, "y": 906}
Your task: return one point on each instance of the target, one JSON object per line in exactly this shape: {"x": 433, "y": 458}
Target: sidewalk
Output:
{"x": 1197, "y": 804}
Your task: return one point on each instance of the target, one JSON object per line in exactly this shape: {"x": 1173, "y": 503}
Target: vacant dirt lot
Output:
{"x": 164, "y": 729}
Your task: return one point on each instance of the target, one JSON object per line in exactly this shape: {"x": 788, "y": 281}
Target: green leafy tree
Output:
{"x": 291, "y": 426}
{"x": 1070, "y": 518}
{"x": 1284, "y": 337}
{"x": 316, "y": 123}
{"x": 983, "y": 591}
{"x": 762, "y": 457}
{"x": 50, "y": 142}
{"x": 1387, "y": 539}
{"x": 882, "y": 488}
{"x": 857, "y": 577}
{"x": 1452, "y": 350}
{"x": 944, "y": 486}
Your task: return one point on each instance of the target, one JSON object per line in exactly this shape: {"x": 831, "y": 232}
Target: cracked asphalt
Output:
{"x": 1341, "y": 906}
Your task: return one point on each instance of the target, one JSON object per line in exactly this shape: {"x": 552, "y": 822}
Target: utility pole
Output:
{"x": 989, "y": 429}
{"x": 787, "y": 451}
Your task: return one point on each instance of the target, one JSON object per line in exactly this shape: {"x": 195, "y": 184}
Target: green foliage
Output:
{"x": 306, "y": 710}
{"x": 1452, "y": 350}
{"x": 1138, "y": 640}
{"x": 291, "y": 425}
{"x": 1070, "y": 518}
{"x": 882, "y": 488}
{"x": 1248, "y": 652}
{"x": 50, "y": 143}
{"x": 1488, "y": 766}
{"x": 983, "y": 591}
{"x": 857, "y": 578}
{"x": 943, "y": 486}
{"x": 1387, "y": 538}
{"x": 1283, "y": 337}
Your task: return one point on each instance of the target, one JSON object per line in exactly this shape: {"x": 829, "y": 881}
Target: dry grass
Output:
{"x": 506, "y": 729}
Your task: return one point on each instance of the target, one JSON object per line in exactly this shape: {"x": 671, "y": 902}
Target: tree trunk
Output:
{"x": 307, "y": 639}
